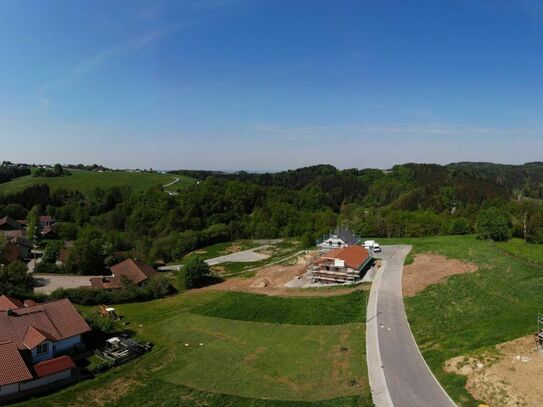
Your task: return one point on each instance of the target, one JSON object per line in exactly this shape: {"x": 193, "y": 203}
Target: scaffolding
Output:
{"x": 539, "y": 333}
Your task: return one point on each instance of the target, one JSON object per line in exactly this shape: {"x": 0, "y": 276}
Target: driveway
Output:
{"x": 50, "y": 282}
{"x": 398, "y": 374}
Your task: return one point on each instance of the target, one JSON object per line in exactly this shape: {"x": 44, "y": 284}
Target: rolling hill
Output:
{"x": 86, "y": 181}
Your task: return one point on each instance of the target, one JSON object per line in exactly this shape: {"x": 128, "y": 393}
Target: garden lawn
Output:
{"x": 87, "y": 181}
{"x": 240, "y": 363}
{"x": 472, "y": 312}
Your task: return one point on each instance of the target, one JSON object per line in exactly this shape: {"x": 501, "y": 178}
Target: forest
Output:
{"x": 410, "y": 200}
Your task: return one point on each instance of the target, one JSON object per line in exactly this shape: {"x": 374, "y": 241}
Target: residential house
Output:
{"x": 8, "y": 223}
{"x": 343, "y": 265}
{"x": 339, "y": 238}
{"x": 34, "y": 342}
{"x": 17, "y": 247}
{"x": 46, "y": 221}
{"x": 134, "y": 271}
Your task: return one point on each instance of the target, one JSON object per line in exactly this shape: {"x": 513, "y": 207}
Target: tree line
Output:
{"x": 410, "y": 200}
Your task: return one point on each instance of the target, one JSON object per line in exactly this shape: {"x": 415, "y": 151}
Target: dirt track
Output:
{"x": 428, "y": 269}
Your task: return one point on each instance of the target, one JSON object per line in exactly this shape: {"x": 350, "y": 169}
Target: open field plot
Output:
{"x": 87, "y": 181}
{"x": 532, "y": 253}
{"x": 240, "y": 363}
{"x": 471, "y": 313}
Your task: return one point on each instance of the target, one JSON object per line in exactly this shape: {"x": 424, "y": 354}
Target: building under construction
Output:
{"x": 345, "y": 265}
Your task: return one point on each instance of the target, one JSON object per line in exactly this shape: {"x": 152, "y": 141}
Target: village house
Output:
{"x": 7, "y": 223}
{"x": 132, "y": 271}
{"x": 339, "y": 238}
{"x": 46, "y": 221}
{"x": 343, "y": 265}
{"x": 34, "y": 342}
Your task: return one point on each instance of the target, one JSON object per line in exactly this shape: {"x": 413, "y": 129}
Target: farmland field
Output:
{"x": 87, "y": 181}
{"x": 471, "y": 313}
{"x": 240, "y": 362}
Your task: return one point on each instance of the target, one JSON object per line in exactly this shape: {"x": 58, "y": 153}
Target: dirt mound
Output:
{"x": 511, "y": 377}
{"x": 261, "y": 283}
{"x": 428, "y": 269}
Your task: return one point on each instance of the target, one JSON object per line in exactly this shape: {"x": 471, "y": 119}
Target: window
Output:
{"x": 43, "y": 348}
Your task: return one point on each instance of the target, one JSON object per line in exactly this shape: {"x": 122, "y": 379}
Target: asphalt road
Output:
{"x": 399, "y": 376}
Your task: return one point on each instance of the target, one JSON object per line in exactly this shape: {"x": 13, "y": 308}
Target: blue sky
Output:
{"x": 268, "y": 85}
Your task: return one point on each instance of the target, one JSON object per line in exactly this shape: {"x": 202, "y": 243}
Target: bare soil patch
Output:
{"x": 428, "y": 269}
{"x": 271, "y": 280}
{"x": 511, "y": 377}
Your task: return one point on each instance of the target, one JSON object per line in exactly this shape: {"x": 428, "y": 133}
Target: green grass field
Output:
{"x": 241, "y": 362}
{"x": 471, "y": 313}
{"x": 532, "y": 253}
{"x": 87, "y": 181}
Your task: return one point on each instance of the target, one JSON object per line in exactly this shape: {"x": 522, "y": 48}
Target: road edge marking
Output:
{"x": 372, "y": 309}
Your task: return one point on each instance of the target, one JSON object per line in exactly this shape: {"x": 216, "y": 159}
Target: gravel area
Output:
{"x": 50, "y": 282}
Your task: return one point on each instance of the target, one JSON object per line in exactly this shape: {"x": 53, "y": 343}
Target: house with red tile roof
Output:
{"x": 34, "y": 340}
{"x": 343, "y": 265}
{"x": 134, "y": 271}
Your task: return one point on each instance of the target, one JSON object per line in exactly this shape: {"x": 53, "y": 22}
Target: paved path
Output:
{"x": 50, "y": 282}
{"x": 244, "y": 256}
{"x": 399, "y": 376}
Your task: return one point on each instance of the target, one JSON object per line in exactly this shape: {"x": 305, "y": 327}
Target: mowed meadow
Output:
{"x": 87, "y": 181}
{"x": 471, "y": 313}
{"x": 236, "y": 349}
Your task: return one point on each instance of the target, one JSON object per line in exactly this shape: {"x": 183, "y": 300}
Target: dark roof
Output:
{"x": 53, "y": 366}
{"x": 347, "y": 236}
{"x": 353, "y": 256}
{"x": 9, "y": 223}
{"x": 136, "y": 271}
{"x": 106, "y": 282}
{"x": 12, "y": 367}
{"x": 56, "y": 320}
{"x": 46, "y": 219}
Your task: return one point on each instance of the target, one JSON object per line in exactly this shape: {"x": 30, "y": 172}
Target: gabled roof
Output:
{"x": 106, "y": 282}
{"x": 46, "y": 219}
{"x": 9, "y": 303}
{"x": 55, "y": 320}
{"x": 53, "y": 366}
{"x": 34, "y": 337}
{"x": 9, "y": 223}
{"x": 353, "y": 256}
{"x": 12, "y": 367}
{"x": 136, "y": 271}
{"x": 347, "y": 236}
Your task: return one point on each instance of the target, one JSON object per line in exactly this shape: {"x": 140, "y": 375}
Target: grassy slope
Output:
{"x": 86, "y": 181}
{"x": 296, "y": 311}
{"x": 473, "y": 312}
{"x": 241, "y": 363}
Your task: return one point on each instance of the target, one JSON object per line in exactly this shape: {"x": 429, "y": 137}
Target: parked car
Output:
{"x": 376, "y": 248}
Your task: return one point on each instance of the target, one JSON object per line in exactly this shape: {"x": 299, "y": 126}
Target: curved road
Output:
{"x": 399, "y": 376}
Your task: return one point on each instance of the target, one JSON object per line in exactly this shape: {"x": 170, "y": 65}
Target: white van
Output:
{"x": 368, "y": 244}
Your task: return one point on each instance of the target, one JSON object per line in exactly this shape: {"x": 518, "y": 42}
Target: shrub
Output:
{"x": 195, "y": 272}
{"x": 157, "y": 287}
